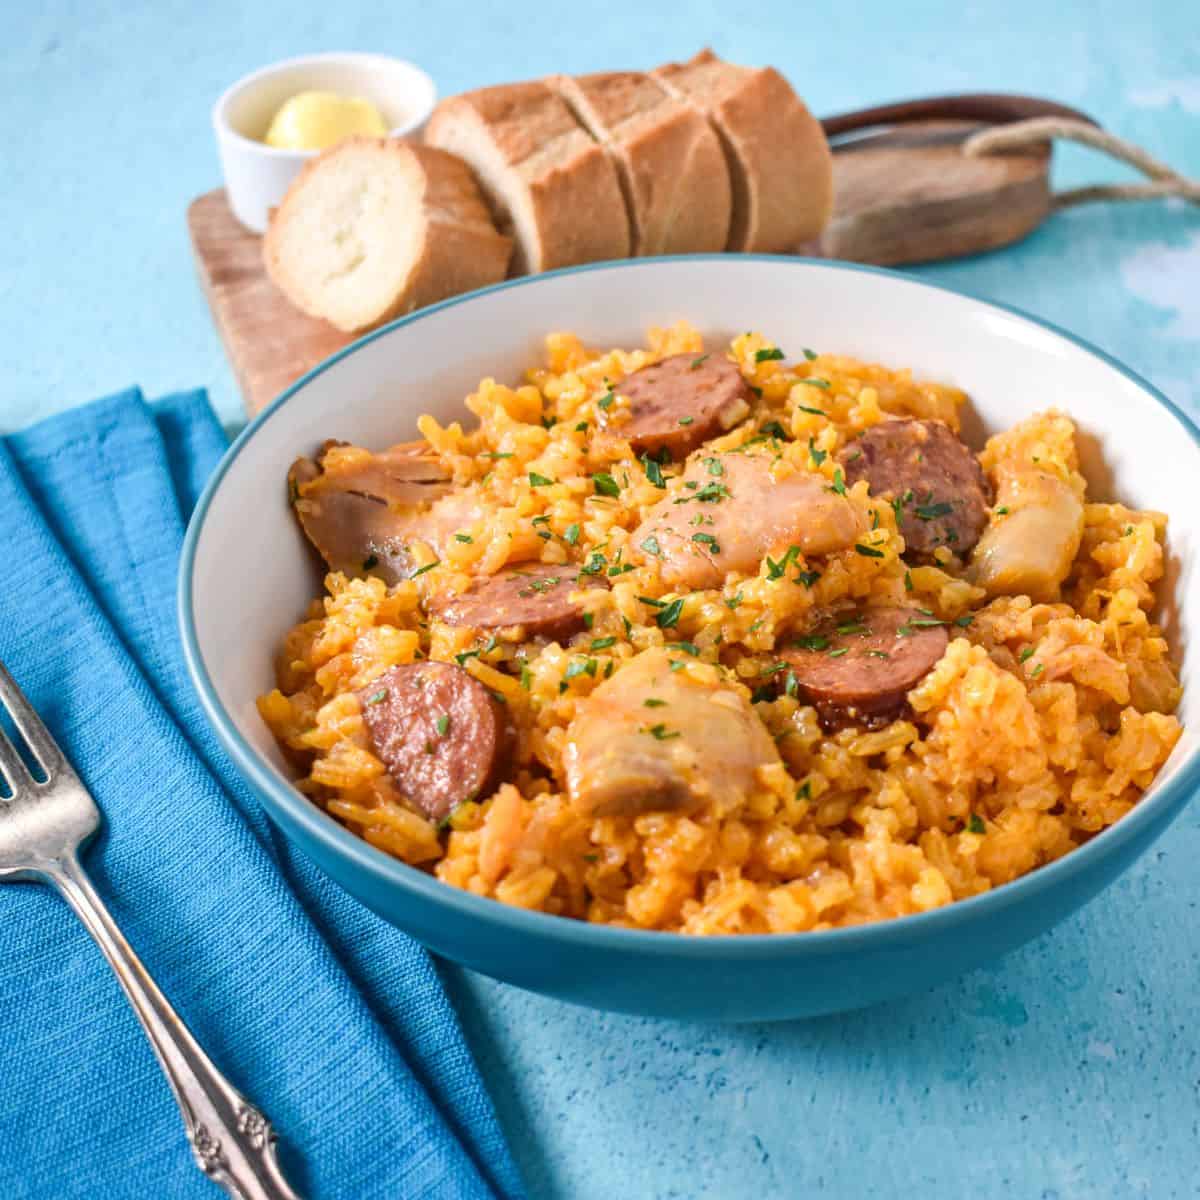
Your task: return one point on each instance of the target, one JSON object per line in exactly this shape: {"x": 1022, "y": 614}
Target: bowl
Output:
{"x": 1134, "y": 444}
{"x": 258, "y": 175}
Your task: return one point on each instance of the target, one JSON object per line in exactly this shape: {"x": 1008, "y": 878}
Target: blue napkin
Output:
{"x": 333, "y": 1022}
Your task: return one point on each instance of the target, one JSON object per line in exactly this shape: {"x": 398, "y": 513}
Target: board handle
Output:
{"x": 994, "y": 108}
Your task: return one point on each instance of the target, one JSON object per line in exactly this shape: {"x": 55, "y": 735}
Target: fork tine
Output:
{"x": 29, "y": 724}
{"x": 12, "y": 770}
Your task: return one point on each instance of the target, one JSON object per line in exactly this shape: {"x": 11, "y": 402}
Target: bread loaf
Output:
{"x": 779, "y": 161}
{"x": 546, "y": 180}
{"x": 374, "y": 228}
{"x": 668, "y": 160}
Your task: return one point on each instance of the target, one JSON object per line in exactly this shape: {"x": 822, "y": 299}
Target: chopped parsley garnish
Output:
{"x": 809, "y": 354}
{"x": 734, "y": 600}
{"x": 661, "y": 733}
{"x": 915, "y": 623}
{"x": 839, "y": 652}
{"x": 372, "y": 560}
{"x": 442, "y": 725}
{"x": 818, "y": 456}
{"x": 427, "y": 567}
{"x": 817, "y": 383}
{"x": 775, "y": 430}
{"x": 602, "y": 643}
{"x": 654, "y": 702}
{"x": 711, "y": 493}
{"x": 605, "y": 484}
{"x": 536, "y": 480}
{"x": 697, "y": 362}
{"x": 462, "y": 658}
{"x": 707, "y": 539}
{"x": 379, "y": 697}
{"x": 839, "y": 482}
{"x": 931, "y": 512}
{"x": 963, "y": 621}
{"x": 715, "y": 466}
{"x": 526, "y": 677}
{"x": 581, "y": 427}
{"x": 770, "y": 355}
{"x": 811, "y": 641}
{"x": 595, "y": 564}
{"x": 1036, "y": 670}
{"x": 867, "y": 551}
{"x": 651, "y": 546}
{"x": 571, "y": 534}
{"x": 668, "y": 617}
{"x": 775, "y": 569}
{"x": 652, "y": 602}
{"x": 807, "y": 578}
{"x": 774, "y": 668}
{"x": 762, "y": 692}
{"x": 687, "y": 647}
{"x": 464, "y": 537}
{"x": 804, "y": 791}
{"x": 686, "y": 420}
{"x": 975, "y": 824}
{"x": 653, "y": 471}
{"x": 1002, "y": 510}
{"x": 1027, "y": 653}
{"x": 908, "y": 583}
{"x": 816, "y": 412}
{"x": 605, "y": 401}
{"x": 854, "y": 626}
{"x": 492, "y": 454}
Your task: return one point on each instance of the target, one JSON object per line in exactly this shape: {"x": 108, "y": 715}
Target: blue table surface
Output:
{"x": 1072, "y": 1068}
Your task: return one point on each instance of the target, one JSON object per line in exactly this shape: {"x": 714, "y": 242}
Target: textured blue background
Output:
{"x": 1070, "y": 1070}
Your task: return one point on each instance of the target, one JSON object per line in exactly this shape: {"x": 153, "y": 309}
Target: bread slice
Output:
{"x": 374, "y": 228}
{"x": 779, "y": 161}
{"x": 545, "y": 178}
{"x": 668, "y": 159}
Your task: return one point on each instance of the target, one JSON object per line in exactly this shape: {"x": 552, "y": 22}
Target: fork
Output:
{"x": 43, "y": 825}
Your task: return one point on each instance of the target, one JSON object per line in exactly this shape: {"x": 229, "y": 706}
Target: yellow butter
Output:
{"x": 316, "y": 120}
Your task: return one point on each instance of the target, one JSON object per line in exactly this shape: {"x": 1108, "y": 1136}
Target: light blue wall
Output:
{"x": 1071, "y": 1070}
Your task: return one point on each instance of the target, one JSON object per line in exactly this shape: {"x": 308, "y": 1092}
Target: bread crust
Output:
{"x": 668, "y": 160}
{"x": 779, "y": 161}
{"x": 448, "y": 236}
{"x": 545, "y": 177}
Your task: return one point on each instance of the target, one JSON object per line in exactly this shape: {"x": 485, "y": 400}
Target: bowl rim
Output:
{"x": 224, "y": 128}
{"x": 371, "y": 862}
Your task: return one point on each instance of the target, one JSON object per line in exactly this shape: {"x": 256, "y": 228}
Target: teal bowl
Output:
{"x": 247, "y": 575}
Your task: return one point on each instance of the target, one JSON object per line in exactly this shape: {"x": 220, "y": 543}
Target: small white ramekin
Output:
{"x": 257, "y": 175}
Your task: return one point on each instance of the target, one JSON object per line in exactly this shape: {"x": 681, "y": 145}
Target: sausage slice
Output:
{"x": 683, "y": 401}
{"x": 537, "y": 598}
{"x": 442, "y": 736}
{"x": 929, "y": 476}
{"x": 858, "y": 668}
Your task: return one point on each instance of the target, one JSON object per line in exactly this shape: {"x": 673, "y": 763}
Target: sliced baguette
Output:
{"x": 374, "y": 228}
{"x": 545, "y": 178}
{"x": 668, "y": 159}
{"x": 779, "y": 161}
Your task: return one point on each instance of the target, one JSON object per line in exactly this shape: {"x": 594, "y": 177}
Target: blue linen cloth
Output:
{"x": 334, "y": 1023}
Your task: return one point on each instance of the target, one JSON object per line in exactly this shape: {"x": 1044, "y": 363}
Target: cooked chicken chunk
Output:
{"x": 653, "y": 738}
{"x": 731, "y": 510}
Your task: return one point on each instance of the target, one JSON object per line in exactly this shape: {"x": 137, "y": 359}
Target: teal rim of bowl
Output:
{"x": 362, "y": 856}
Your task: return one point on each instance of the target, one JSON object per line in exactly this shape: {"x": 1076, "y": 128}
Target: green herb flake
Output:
{"x": 818, "y": 456}
{"x": 1002, "y": 510}
{"x": 686, "y": 420}
{"x": 372, "y": 560}
{"x": 536, "y": 480}
{"x": 811, "y": 641}
{"x": 809, "y": 354}
{"x": 442, "y": 725}
{"x": 698, "y": 362}
{"x": 733, "y": 601}
{"x": 571, "y": 535}
{"x": 965, "y": 620}
{"x": 817, "y": 383}
{"x": 582, "y": 427}
{"x": 649, "y": 600}
{"x": 526, "y": 677}
{"x": 804, "y": 791}
{"x": 437, "y": 562}
{"x": 775, "y": 569}
{"x": 653, "y": 471}
{"x": 975, "y": 824}
{"x": 1036, "y": 670}
{"x": 687, "y": 648}
{"x": 908, "y": 583}
{"x": 493, "y": 455}
{"x": 602, "y": 643}
{"x": 464, "y": 537}
{"x": 839, "y": 652}
{"x": 651, "y": 547}
{"x": 774, "y": 668}
{"x": 595, "y": 564}
{"x": 378, "y": 697}
{"x": 774, "y": 354}
{"x": 707, "y": 539}
{"x": 661, "y": 733}
{"x": 605, "y": 484}
{"x": 715, "y": 466}
{"x": 807, "y": 578}
{"x": 839, "y": 483}
{"x": 605, "y": 401}
{"x": 775, "y": 430}
{"x": 867, "y": 551}
{"x": 654, "y": 702}
{"x": 588, "y": 618}
{"x": 1025, "y": 654}
{"x": 816, "y": 412}
{"x": 668, "y": 617}
{"x": 931, "y": 512}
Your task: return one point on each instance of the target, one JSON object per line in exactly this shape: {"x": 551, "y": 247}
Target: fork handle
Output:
{"x": 233, "y": 1143}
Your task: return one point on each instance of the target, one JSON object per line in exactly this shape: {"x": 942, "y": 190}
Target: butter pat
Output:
{"x": 316, "y": 120}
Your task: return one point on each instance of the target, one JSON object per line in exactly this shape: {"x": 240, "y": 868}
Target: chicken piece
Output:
{"x": 730, "y": 510}
{"x": 652, "y": 738}
{"x": 362, "y": 510}
{"x": 1035, "y": 529}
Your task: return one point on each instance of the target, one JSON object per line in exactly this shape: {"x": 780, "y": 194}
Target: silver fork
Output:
{"x": 42, "y": 828}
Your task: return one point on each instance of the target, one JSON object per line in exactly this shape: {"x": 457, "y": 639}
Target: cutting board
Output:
{"x": 905, "y": 193}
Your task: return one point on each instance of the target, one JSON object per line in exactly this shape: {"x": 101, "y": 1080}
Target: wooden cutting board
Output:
{"x": 905, "y": 193}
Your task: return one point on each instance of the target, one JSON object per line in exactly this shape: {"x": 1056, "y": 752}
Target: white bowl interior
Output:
{"x": 401, "y": 92}
{"x": 253, "y": 572}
